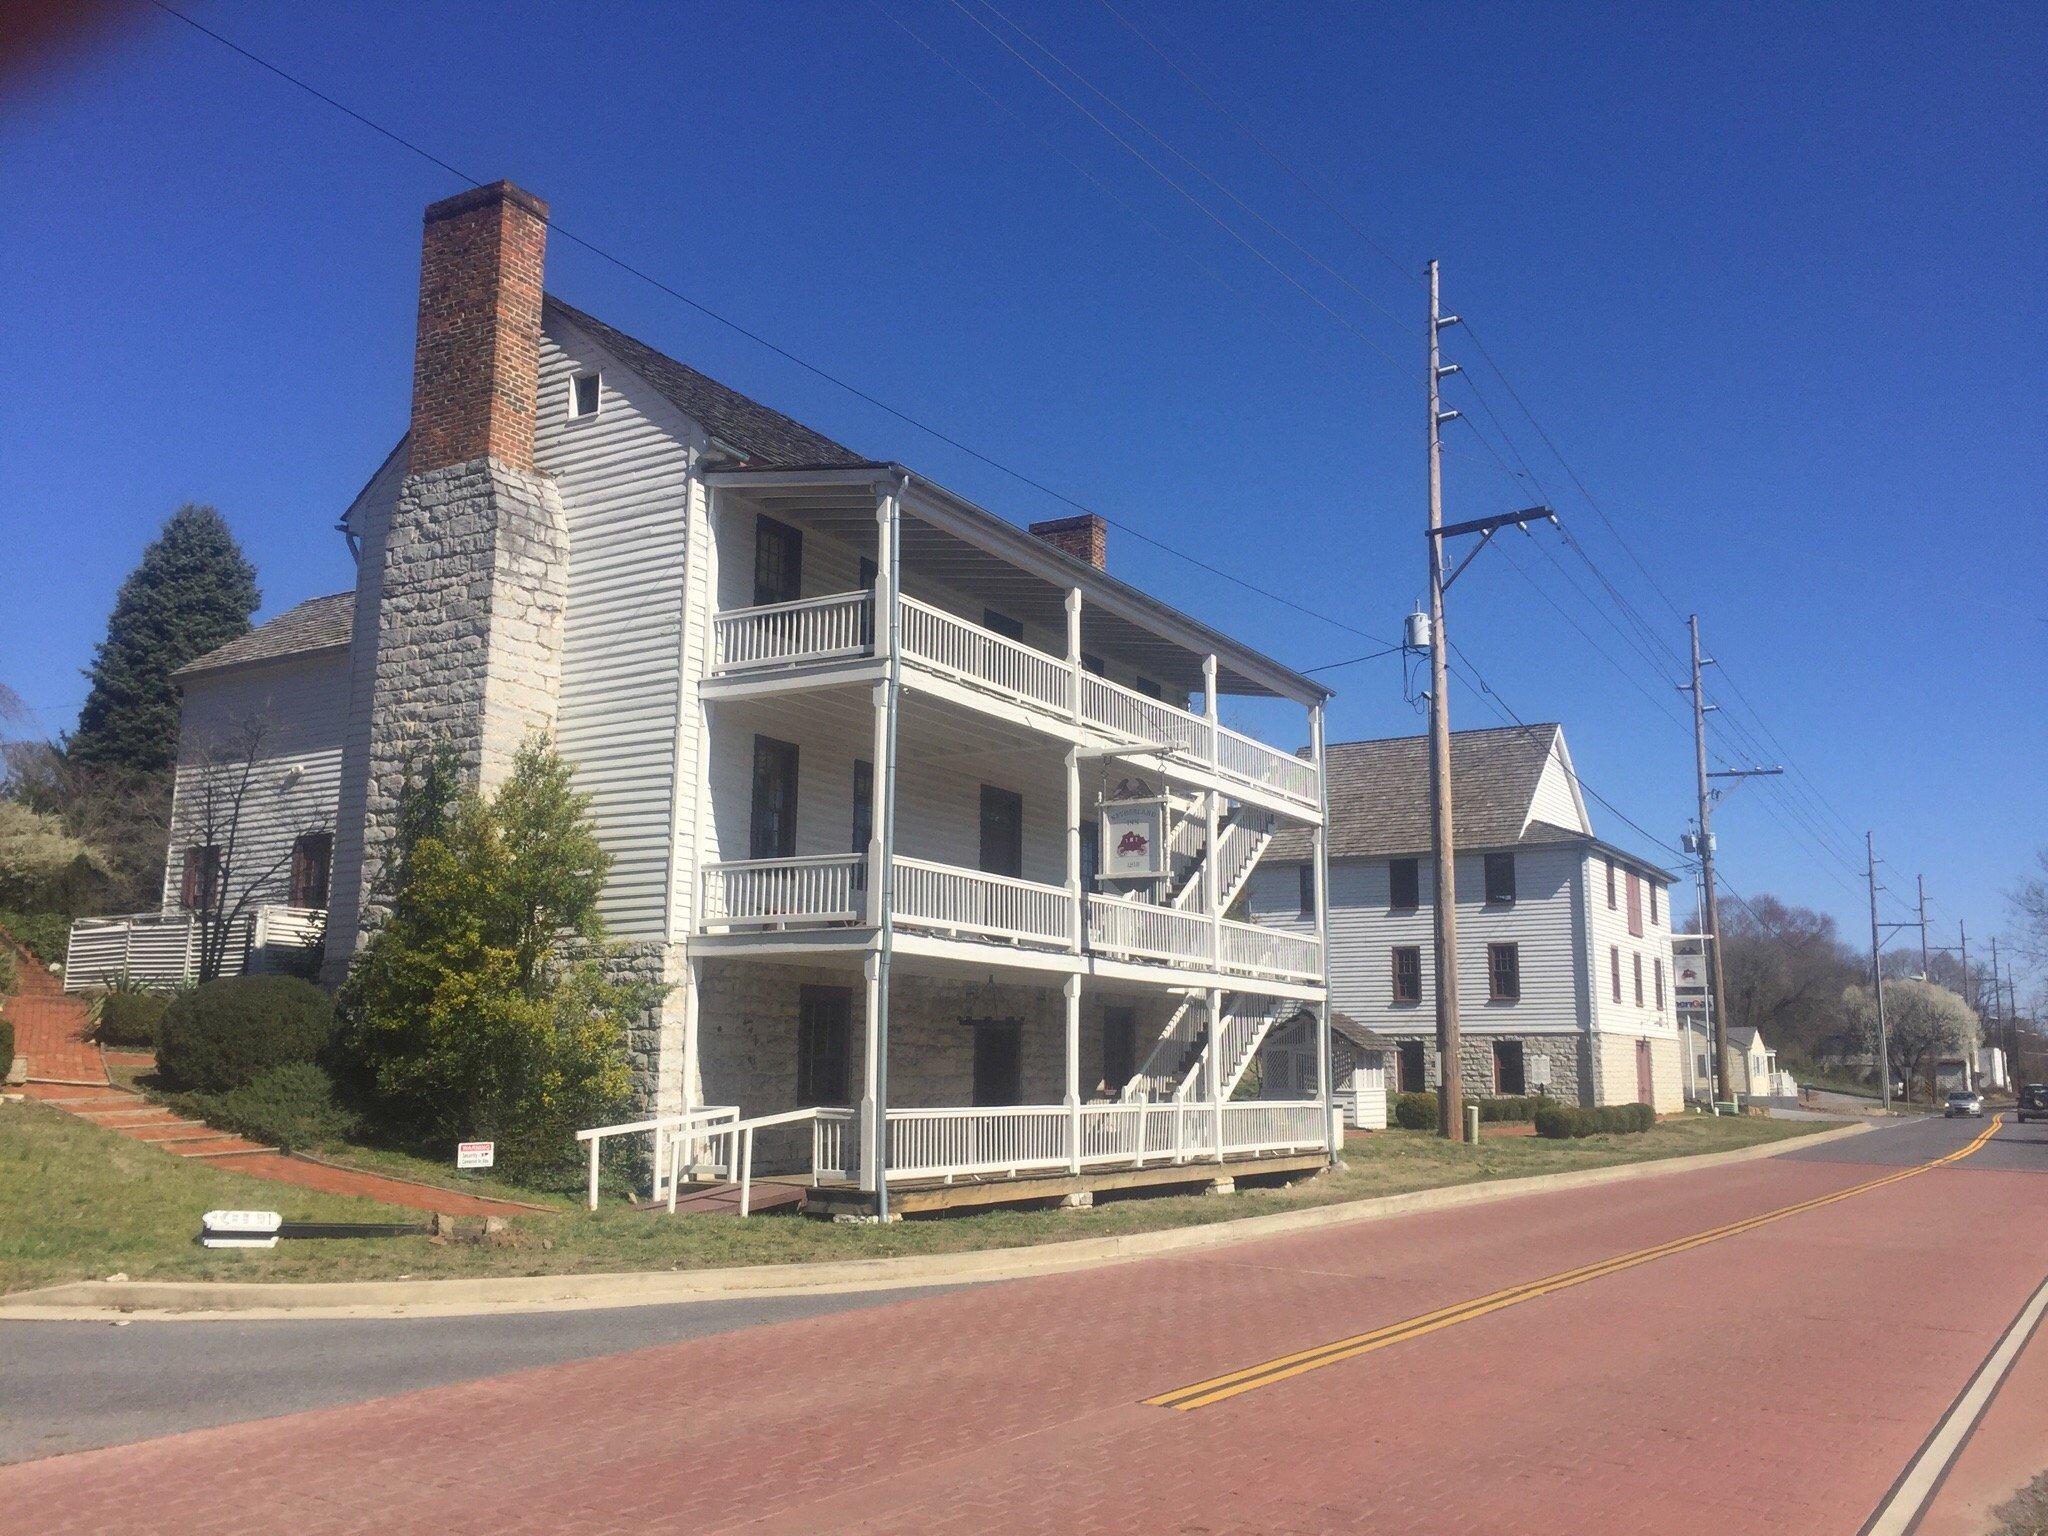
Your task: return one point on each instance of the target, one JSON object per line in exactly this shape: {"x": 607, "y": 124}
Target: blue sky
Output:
{"x": 1773, "y": 281}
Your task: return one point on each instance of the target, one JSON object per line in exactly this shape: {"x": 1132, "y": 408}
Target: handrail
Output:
{"x": 665, "y": 1130}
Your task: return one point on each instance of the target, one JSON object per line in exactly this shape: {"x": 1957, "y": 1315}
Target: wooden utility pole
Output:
{"x": 1884, "y": 1054}
{"x": 1717, "y": 982}
{"x": 1449, "y": 1110}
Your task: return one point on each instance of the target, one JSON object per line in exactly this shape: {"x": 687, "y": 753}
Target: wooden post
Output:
{"x": 1321, "y": 854}
{"x": 1441, "y": 837}
{"x": 1216, "y": 1064}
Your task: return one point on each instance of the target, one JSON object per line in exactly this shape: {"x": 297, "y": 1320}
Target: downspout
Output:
{"x": 886, "y": 936}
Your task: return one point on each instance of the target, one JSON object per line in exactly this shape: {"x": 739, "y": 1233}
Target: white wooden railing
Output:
{"x": 1142, "y": 931}
{"x": 671, "y": 1138}
{"x": 1273, "y": 1125}
{"x": 1252, "y": 950}
{"x": 162, "y": 949}
{"x": 949, "y": 899}
{"x": 1172, "y": 1051}
{"x": 927, "y": 1143}
{"x": 780, "y": 634}
{"x": 755, "y": 893}
{"x": 816, "y": 629}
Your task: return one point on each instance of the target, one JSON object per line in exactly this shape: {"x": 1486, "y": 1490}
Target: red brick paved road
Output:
{"x": 1774, "y": 1381}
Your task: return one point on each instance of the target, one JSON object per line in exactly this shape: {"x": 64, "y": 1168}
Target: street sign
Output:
{"x": 476, "y": 1154}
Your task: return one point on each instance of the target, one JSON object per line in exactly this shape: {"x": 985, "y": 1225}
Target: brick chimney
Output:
{"x": 462, "y": 584}
{"x": 1085, "y": 537}
{"x": 476, "y": 371}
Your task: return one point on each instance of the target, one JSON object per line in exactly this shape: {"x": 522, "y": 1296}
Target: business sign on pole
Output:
{"x": 1133, "y": 839}
{"x": 1689, "y": 975}
{"x": 476, "y": 1154}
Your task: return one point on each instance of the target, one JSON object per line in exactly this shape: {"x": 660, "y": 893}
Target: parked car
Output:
{"x": 1964, "y": 1102}
{"x": 2033, "y": 1102}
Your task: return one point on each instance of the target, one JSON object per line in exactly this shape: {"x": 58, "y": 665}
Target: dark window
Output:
{"x": 1307, "y": 874}
{"x": 1091, "y": 854}
{"x": 584, "y": 394}
{"x": 1509, "y": 1074}
{"x": 1119, "y": 1048}
{"x": 1500, "y": 878}
{"x": 1653, "y": 901}
{"x": 1404, "y": 884}
{"x": 1503, "y": 973}
{"x": 1635, "y": 904}
{"x": 998, "y": 1062}
{"x": 778, "y": 562}
{"x": 1658, "y": 965}
{"x": 1092, "y": 664}
{"x": 312, "y": 857}
{"x": 1639, "y": 981}
{"x": 1407, "y": 973}
{"x": 772, "y": 833}
{"x": 1408, "y": 1067}
{"x": 1614, "y": 965}
{"x": 863, "y": 804}
{"x": 199, "y": 889}
{"x": 1150, "y": 689}
{"x": 867, "y": 584}
{"x": 1002, "y": 832}
{"x": 1002, "y": 624}
{"x": 867, "y": 574}
{"x": 1610, "y": 885}
{"x": 824, "y": 1045}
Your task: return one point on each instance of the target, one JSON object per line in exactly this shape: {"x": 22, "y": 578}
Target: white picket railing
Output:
{"x": 781, "y": 634}
{"x": 1252, "y": 950}
{"x": 162, "y": 949}
{"x": 842, "y": 624}
{"x": 835, "y": 1143}
{"x": 950, "y": 644}
{"x": 949, "y": 899}
{"x": 1273, "y": 1125}
{"x": 671, "y": 1137}
{"x": 1141, "y": 931}
{"x": 754, "y": 893}
{"x": 926, "y": 1143}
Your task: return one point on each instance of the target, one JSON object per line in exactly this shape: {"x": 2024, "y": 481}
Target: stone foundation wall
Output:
{"x": 1571, "y": 1078}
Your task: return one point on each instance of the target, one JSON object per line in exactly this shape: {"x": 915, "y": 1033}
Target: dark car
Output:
{"x": 2033, "y": 1102}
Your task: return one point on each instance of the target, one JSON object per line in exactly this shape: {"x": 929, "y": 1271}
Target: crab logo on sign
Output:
{"x": 1132, "y": 837}
{"x": 1134, "y": 844}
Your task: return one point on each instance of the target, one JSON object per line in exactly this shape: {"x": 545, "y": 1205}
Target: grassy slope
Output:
{"x": 77, "y": 1202}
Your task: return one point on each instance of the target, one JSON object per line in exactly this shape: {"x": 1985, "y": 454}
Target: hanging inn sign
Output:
{"x": 1133, "y": 839}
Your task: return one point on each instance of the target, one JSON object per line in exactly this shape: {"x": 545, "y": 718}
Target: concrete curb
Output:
{"x": 245, "y": 1301}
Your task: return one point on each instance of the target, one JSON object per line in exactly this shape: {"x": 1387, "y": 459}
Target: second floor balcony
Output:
{"x": 946, "y": 901}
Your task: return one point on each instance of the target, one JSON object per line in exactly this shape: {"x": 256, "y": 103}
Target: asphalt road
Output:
{"x": 74, "y": 1386}
{"x": 1538, "y": 1363}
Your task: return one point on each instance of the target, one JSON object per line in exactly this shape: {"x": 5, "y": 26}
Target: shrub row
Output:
{"x": 1560, "y": 1122}
{"x": 130, "y": 1018}
{"x": 292, "y": 1106}
{"x": 228, "y": 1033}
{"x": 1417, "y": 1111}
{"x": 6, "y": 1048}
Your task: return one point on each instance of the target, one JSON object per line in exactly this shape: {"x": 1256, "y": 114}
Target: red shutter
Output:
{"x": 1635, "y": 904}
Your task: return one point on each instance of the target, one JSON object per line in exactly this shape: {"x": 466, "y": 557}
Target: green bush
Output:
{"x": 292, "y": 1106}
{"x": 227, "y": 1033}
{"x": 42, "y": 934}
{"x": 129, "y": 1019}
{"x": 6, "y": 1048}
{"x": 10, "y": 976}
{"x": 1562, "y": 1122}
{"x": 1511, "y": 1108}
{"x": 1415, "y": 1111}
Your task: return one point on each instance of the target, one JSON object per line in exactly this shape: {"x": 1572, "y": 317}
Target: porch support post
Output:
{"x": 1209, "y": 707}
{"x": 1321, "y": 854}
{"x": 882, "y": 877}
{"x": 688, "y": 1085}
{"x": 1216, "y": 1065}
{"x": 870, "y": 1093}
{"x": 1076, "y": 897}
{"x": 1072, "y": 988}
{"x": 1074, "y": 667}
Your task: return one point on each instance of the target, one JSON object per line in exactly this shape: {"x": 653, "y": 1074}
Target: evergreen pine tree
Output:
{"x": 193, "y": 590}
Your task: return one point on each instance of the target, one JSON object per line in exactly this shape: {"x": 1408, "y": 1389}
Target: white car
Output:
{"x": 1964, "y": 1102}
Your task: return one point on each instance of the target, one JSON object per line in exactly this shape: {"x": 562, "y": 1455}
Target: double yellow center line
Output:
{"x": 1220, "y": 1388}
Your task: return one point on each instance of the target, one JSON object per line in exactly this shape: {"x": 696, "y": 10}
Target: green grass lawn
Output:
{"x": 77, "y": 1202}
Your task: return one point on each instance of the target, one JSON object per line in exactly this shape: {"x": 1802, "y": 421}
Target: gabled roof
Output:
{"x": 317, "y": 624}
{"x": 768, "y": 438}
{"x": 1379, "y": 793}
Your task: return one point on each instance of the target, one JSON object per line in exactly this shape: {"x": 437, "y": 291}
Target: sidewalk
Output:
{"x": 51, "y": 1030}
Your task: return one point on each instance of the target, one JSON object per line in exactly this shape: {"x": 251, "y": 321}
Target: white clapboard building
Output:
{"x": 1563, "y": 939}
{"x": 851, "y": 741}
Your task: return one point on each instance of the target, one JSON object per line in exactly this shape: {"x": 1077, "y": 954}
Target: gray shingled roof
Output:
{"x": 769, "y": 439}
{"x": 317, "y": 624}
{"x": 1379, "y": 793}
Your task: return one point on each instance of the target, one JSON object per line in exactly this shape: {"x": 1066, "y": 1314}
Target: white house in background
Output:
{"x": 850, "y": 742}
{"x": 1563, "y": 939}
{"x": 1756, "y": 1064}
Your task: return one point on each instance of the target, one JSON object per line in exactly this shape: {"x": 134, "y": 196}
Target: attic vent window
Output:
{"x": 584, "y": 393}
